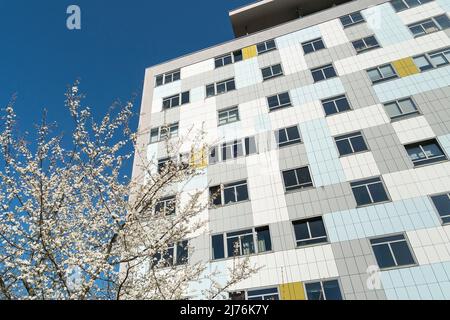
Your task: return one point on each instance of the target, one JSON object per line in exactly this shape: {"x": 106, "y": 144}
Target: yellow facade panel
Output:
{"x": 292, "y": 291}
{"x": 249, "y": 52}
{"x": 405, "y": 67}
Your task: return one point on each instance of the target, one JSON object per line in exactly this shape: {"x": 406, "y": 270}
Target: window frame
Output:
{"x": 279, "y": 106}
{"x": 322, "y": 287}
{"x": 229, "y": 185}
{"x": 246, "y": 150}
{"x": 334, "y": 99}
{"x": 366, "y": 48}
{"x": 348, "y": 137}
{"x": 405, "y": 239}
{"x": 168, "y": 129}
{"x": 427, "y": 160}
{"x": 272, "y": 74}
{"x": 266, "y": 48}
{"x": 370, "y": 181}
{"x": 403, "y": 115}
{"x": 350, "y": 15}
{"x": 428, "y": 56}
{"x": 288, "y": 142}
{"x": 441, "y": 217}
{"x": 313, "y": 45}
{"x": 298, "y": 187}
{"x": 275, "y": 288}
{"x": 165, "y": 77}
{"x": 428, "y": 20}
{"x": 321, "y": 69}
{"x": 227, "y": 112}
{"x": 178, "y": 96}
{"x": 226, "y": 83}
{"x": 311, "y": 240}
{"x": 408, "y": 6}
{"x": 238, "y": 233}
{"x": 383, "y": 79}
{"x": 174, "y": 259}
{"x": 167, "y": 200}
{"x": 232, "y": 56}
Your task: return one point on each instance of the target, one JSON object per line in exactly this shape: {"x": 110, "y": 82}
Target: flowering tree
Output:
{"x": 72, "y": 226}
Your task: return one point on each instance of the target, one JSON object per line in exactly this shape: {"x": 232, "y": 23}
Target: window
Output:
{"x": 279, "y": 101}
{"x": 433, "y": 60}
{"x": 392, "y": 251}
{"x": 442, "y": 204}
{"x": 309, "y": 231}
{"x": 218, "y": 247}
{"x": 230, "y": 58}
{"x": 174, "y": 255}
{"x": 263, "y": 294}
{"x": 430, "y": 25}
{"x": 237, "y": 296}
{"x": 229, "y": 193}
{"x": 164, "y": 164}
{"x": 335, "y": 105}
{"x": 365, "y": 44}
{"x": 240, "y": 243}
{"x": 369, "y": 191}
{"x": 313, "y": 45}
{"x": 179, "y": 163}
{"x": 400, "y": 5}
{"x": 297, "y": 179}
{"x": 401, "y": 108}
{"x": 351, "y": 19}
{"x": 382, "y": 73}
{"x": 220, "y": 87}
{"x": 166, "y": 206}
{"x": 163, "y": 133}
{"x": 266, "y": 46}
{"x": 167, "y": 78}
{"x": 287, "y": 136}
{"x": 176, "y": 100}
{"x": 229, "y": 115}
{"x": 322, "y": 73}
{"x": 425, "y": 152}
{"x": 233, "y": 150}
{"x": 323, "y": 290}
{"x": 351, "y": 143}
{"x": 256, "y": 294}
{"x": 272, "y": 72}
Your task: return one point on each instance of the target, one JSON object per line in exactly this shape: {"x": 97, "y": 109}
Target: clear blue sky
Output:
{"x": 39, "y": 56}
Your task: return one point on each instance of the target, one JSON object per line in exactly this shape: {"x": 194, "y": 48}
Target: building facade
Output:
{"x": 331, "y": 139}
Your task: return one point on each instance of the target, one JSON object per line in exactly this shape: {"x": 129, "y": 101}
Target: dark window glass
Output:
{"x": 182, "y": 253}
{"x": 442, "y": 204}
{"x": 392, "y": 251}
{"x": 159, "y": 80}
{"x": 297, "y": 179}
{"x": 384, "y": 256}
{"x": 185, "y": 97}
{"x": 310, "y": 231}
{"x": 210, "y": 90}
{"x": 425, "y": 152}
{"x": 238, "y": 56}
{"x": 332, "y": 290}
{"x": 215, "y": 195}
{"x": 237, "y": 296}
{"x": 351, "y": 143}
{"x": 218, "y": 247}
{"x": 263, "y": 239}
{"x": 369, "y": 191}
{"x": 314, "y": 291}
{"x": 250, "y": 146}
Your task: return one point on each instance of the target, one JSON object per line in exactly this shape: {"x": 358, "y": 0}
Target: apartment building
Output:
{"x": 330, "y": 126}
